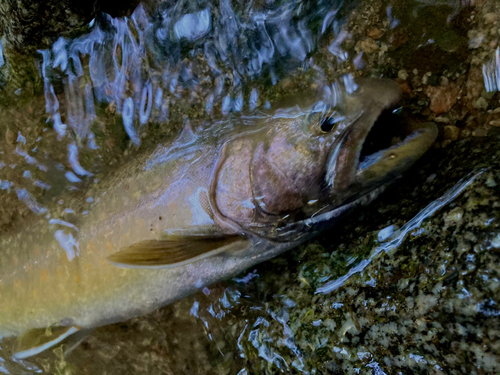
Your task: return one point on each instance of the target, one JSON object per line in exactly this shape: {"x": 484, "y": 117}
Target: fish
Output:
{"x": 218, "y": 199}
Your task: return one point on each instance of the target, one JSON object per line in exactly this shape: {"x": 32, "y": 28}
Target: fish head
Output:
{"x": 319, "y": 150}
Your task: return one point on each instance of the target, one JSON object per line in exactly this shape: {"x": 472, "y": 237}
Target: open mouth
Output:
{"x": 386, "y": 132}
{"x": 393, "y": 143}
{"x": 379, "y": 143}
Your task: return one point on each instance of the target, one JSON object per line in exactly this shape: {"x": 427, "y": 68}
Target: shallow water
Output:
{"x": 101, "y": 93}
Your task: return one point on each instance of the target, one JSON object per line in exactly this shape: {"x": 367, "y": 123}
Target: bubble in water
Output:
{"x": 59, "y": 127}
{"x": 61, "y": 56}
{"x": 128, "y": 121}
{"x": 209, "y": 107}
{"x": 73, "y": 160}
{"x": 238, "y": 103}
{"x": 227, "y": 104}
{"x": 2, "y": 60}
{"x": 147, "y": 97}
{"x": 158, "y": 97}
{"x": 254, "y": 97}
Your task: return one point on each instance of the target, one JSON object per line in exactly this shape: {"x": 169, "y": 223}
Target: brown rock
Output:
{"x": 465, "y": 133}
{"x": 375, "y": 33}
{"x": 405, "y": 88}
{"x": 442, "y": 120}
{"x": 475, "y": 84}
{"x": 442, "y": 97}
{"x": 397, "y": 38}
{"x": 451, "y": 132}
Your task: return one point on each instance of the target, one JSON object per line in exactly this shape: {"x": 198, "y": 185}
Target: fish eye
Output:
{"x": 328, "y": 124}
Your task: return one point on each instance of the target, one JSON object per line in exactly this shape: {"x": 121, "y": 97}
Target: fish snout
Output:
{"x": 379, "y": 143}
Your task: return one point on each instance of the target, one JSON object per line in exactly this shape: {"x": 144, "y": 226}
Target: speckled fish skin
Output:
{"x": 224, "y": 179}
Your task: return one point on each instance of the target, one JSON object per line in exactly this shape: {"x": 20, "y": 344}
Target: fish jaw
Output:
{"x": 347, "y": 175}
{"x": 389, "y": 163}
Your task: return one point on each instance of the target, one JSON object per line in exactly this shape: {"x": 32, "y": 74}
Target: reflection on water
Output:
{"x": 134, "y": 81}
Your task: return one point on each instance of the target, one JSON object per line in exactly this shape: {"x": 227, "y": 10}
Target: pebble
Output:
{"x": 425, "y": 78}
{"x": 442, "y": 120}
{"x": 416, "y": 81}
{"x": 495, "y": 123}
{"x": 490, "y": 18}
{"x": 455, "y": 216}
{"x": 442, "y": 97}
{"x": 375, "y": 33}
{"x": 480, "y": 103}
{"x": 451, "y": 132}
{"x": 495, "y": 242}
{"x": 403, "y": 74}
{"x": 465, "y": 133}
{"x": 476, "y": 42}
{"x": 475, "y": 83}
{"x": 369, "y": 45}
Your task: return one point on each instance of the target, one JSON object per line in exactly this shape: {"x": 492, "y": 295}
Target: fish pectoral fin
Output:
{"x": 175, "y": 251}
{"x": 37, "y": 340}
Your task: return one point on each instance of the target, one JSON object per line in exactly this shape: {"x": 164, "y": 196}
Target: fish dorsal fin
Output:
{"x": 175, "y": 251}
{"x": 37, "y": 340}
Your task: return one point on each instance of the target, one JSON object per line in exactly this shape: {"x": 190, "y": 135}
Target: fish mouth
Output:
{"x": 387, "y": 153}
{"x": 378, "y": 143}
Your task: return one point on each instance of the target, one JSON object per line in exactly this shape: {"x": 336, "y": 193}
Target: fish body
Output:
{"x": 205, "y": 207}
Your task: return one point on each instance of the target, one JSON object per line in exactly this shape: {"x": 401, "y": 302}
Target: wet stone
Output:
{"x": 480, "y": 103}
{"x": 442, "y": 97}
{"x": 490, "y": 18}
{"x": 451, "y": 132}
{"x": 455, "y": 216}
{"x": 403, "y": 74}
{"x": 369, "y": 46}
{"x": 375, "y": 33}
